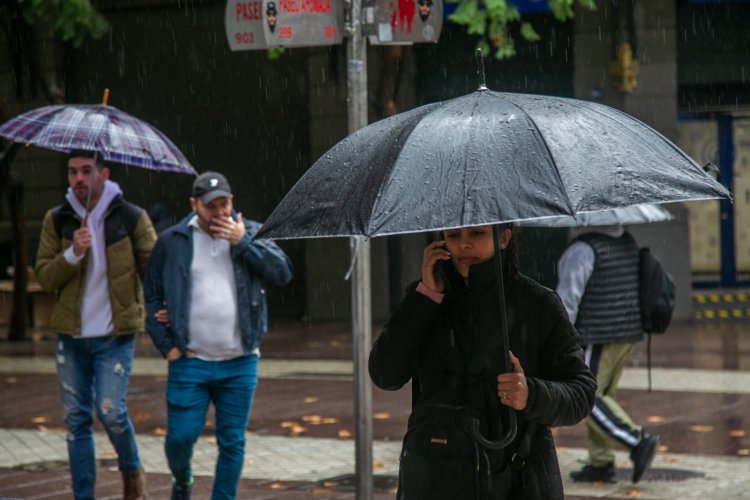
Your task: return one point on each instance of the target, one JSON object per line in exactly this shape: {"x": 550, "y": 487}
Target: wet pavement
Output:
{"x": 300, "y": 434}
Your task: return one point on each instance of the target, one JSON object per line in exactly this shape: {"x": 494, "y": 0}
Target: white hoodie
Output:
{"x": 96, "y": 309}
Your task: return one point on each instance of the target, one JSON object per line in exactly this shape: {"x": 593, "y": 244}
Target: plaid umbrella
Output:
{"x": 118, "y": 136}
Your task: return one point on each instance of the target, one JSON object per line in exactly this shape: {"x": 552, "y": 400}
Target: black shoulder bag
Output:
{"x": 445, "y": 456}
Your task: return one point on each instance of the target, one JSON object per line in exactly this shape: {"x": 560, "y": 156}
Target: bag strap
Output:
{"x": 518, "y": 462}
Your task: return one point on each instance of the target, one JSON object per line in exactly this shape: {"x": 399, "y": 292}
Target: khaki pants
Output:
{"x": 609, "y": 425}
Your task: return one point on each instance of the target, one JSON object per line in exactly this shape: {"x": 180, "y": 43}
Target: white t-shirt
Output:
{"x": 214, "y": 318}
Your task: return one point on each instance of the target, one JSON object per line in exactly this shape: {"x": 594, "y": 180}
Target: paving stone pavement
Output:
{"x": 315, "y": 460}
{"x": 701, "y": 389}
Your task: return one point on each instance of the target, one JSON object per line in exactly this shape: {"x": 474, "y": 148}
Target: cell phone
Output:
{"x": 440, "y": 271}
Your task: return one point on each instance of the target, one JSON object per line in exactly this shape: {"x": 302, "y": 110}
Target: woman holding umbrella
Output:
{"x": 444, "y": 337}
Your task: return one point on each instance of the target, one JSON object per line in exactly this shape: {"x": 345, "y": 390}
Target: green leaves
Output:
{"x": 467, "y": 13}
{"x": 73, "y": 20}
{"x": 492, "y": 20}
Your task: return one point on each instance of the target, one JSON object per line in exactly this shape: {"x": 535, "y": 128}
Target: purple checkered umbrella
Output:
{"x": 118, "y": 136}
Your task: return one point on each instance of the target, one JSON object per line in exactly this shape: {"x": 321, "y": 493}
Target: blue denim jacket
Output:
{"x": 167, "y": 284}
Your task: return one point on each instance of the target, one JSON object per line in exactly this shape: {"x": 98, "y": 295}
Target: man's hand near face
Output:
{"x": 228, "y": 229}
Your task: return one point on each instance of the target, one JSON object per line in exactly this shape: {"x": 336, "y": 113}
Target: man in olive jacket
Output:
{"x": 92, "y": 253}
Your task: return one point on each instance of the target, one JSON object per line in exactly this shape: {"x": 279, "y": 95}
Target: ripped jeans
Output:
{"x": 93, "y": 373}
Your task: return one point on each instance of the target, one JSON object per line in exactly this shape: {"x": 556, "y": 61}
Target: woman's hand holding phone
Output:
{"x": 434, "y": 253}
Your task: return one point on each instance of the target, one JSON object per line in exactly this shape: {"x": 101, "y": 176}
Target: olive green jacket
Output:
{"x": 129, "y": 237}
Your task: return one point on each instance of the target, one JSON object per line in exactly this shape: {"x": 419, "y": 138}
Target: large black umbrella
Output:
{"x": 487, "y": 158}
{"x": 484, "y": 158}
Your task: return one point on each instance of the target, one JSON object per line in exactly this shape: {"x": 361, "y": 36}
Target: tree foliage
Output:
{"x": 72, "y": 20}
{"x": 492, "y": 21}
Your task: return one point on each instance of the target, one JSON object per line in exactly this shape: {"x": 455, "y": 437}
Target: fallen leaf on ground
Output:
{"x": 39, "y": 420}
{"x": 377, "y": 466}
{"x": 159, "y": 431}
{"x": 671, "y": 460}
{"x": 343, "y": 433}
{"x": 296, "y": 430}
{"x": 43, "y": 428}
{"x": 330, "y": 420}
{"x": 743, "y": 452}
{"x": 311, "y": 399}
{"x": 381, "y": 415}
{"x": 655, "y": 419}
{"x": 662, "y": 448}
{"x": 138, "y": 416}
{"x": 11, "y": 380}
{"x": 312, "y": 419}
{"x": 288, "y": 423}
{"x": 277, "y": 486}
{"x": 737, "y": 433}
{"x": 701, "y": 428}
{"x": 632, "y": 494}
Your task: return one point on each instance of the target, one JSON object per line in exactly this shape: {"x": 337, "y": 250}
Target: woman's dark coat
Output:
{"x": 452, "y": 352}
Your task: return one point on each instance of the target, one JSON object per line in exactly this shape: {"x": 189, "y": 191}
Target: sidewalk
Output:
{"x": 300, "y": 437}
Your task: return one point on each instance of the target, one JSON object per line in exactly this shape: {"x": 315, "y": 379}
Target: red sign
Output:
{"x": 243, "y": 22}
{"x": 406, "y": 21}
{"x": 303, "y": 23}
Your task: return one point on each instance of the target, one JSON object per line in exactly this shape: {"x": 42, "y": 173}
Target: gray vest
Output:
{"x": 609, "y": 311}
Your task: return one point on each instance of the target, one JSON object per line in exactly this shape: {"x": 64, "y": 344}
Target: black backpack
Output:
{"x": 656, "y": 293}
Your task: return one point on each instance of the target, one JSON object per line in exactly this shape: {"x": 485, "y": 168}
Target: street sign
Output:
{"x": 260, "y": 24}
{"x": 243, "y": 23}
{"x": 303, "y": 23}
{"x": 404, "y": 21}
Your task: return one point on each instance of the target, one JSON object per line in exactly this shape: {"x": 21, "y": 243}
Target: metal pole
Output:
{"x": 356, "y": 63}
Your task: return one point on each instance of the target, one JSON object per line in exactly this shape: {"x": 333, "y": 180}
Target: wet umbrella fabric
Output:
{"x": 484, "y": 158}
{"x": 635, "y": 214}
{"x": 118, "y": 136}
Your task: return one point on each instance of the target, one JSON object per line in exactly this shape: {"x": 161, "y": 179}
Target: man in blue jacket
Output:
{"x": 206, "y": 304}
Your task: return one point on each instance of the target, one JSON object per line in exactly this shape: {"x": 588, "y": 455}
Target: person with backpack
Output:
{"x": 445, "y": 338}
{"x": 93, "y": 252}
{"x": 598, "y": 282}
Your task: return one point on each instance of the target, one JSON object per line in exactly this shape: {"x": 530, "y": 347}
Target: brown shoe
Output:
{"x": 134, "y": 484}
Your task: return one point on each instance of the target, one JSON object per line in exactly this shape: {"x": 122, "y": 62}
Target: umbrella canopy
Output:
{"x": 635, "y": 214}
{"x": 485, "y": 158}
{"x": 118, "y": 136}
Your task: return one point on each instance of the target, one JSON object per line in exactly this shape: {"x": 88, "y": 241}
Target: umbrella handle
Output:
{"x": 105, "y": 97}
{"x": 504, "y": 441}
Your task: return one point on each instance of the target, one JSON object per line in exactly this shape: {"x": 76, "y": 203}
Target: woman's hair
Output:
{"x": 510, "y": 254}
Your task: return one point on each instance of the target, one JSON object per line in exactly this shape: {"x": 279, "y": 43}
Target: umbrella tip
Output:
{"x": 105, "y": 97}
{"x": 480, "y": 71}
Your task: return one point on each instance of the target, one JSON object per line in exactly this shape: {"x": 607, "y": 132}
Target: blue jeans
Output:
{"x": 192, "y": 384}
{"x": 93, "y": 374}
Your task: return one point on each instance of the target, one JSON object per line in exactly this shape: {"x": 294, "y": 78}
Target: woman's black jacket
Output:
{"x": 452, "y": 353}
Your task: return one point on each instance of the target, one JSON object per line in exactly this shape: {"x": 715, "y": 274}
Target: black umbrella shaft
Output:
{"x": 505, "y": 362}
{"x": 501, "y": 298}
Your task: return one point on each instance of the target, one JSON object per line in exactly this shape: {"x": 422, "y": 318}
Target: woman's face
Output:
{"x": 472, "y": 245}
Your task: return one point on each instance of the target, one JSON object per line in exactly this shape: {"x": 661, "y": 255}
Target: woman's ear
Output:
{"x": 505, "y": 237}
